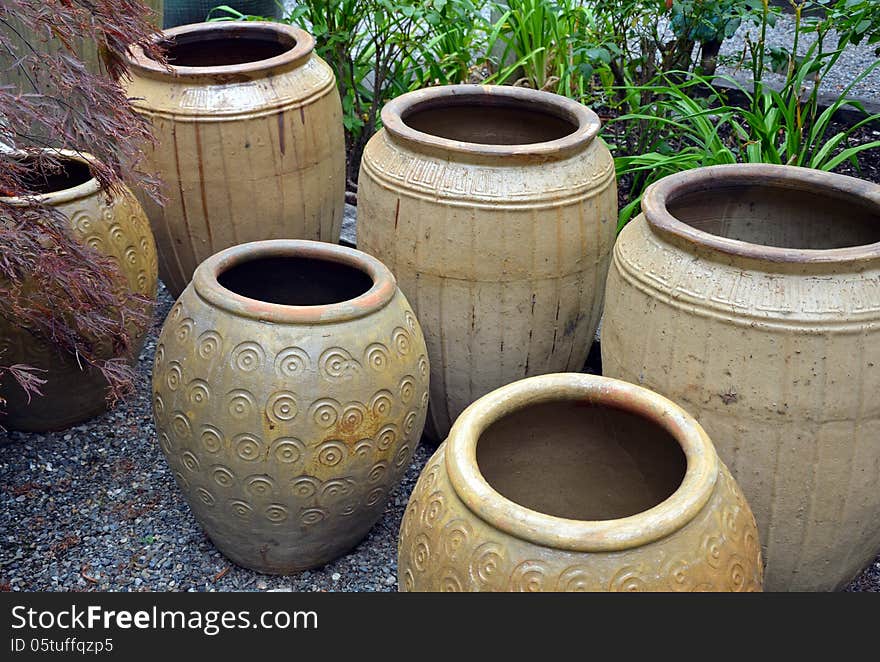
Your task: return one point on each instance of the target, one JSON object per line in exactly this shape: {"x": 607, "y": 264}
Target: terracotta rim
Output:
{"x": 304, "y": 44}
{"x": 661, "y": 194}
{"x": 394, "y": 115}
{"x": 378, "y": 296}
{"x": 653, "y": 524}
{"x": 61, "y": 196}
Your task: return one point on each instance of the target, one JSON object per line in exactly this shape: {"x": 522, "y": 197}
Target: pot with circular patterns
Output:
{"x": 115, "y": 225}
{"x": 496, "y": 208}
{"x": 290, "y": 389}
{"x": 250, "y": 146}
{"x": 572, "y": 482}
{"x": 750, "y": 294}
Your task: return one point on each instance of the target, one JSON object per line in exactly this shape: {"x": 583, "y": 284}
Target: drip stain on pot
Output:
{"x": 580, "y": 461}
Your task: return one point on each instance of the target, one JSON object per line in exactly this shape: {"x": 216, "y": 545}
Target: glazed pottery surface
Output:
{"x": 750, "y": 295}
{"x": 496, "y": 209}
{"x": 249, "y": 141}
{"x": 573, "y": 482}
{"x": 290, "y": 391}
{"x": 116, "y": 227}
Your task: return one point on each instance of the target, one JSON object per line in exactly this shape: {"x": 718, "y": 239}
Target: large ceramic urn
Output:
{"x": 573, "y": 482}
{"x": 750, "y": 295}
{"x": 496, "y": 209}
{"x": 249, "y": 141}
{"x": 290, "y": 389}
{"x": 114, "y": 224}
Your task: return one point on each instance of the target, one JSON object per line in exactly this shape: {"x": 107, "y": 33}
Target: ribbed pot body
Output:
{"x": 118, "y": 228}
{"x": 502, "y": 249}
{"x": 287, "y": 436}
{"x": 455, "y": 539}
{"x": 775, "y": 351}
{"x": 247, "y": 151}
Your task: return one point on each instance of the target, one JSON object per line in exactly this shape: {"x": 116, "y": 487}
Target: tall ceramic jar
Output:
{"x": 573, "y": 482}
{"x": 248, "y": 126}
{"x": 750, "y": 295}
{"x": 290, "y": 390}
{"x": 496, "y": 208}
{"x": 114, "y": 225}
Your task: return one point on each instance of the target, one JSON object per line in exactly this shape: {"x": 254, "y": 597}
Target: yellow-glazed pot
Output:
{"x": 249, "y": 136}
{"x": 496, "y": 208}
{"x": 750, "y": 295}
{"x": 290, "y": 390}
{"x": 114, "y": 225}
{"x": 573, "y": 482}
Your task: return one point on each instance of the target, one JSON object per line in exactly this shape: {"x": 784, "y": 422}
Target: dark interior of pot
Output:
{"x": 489, "y": 121}
{"x": 580, "y": 461}
{"x": 781, "y": 217}
{"x": 71, "y": 173}
{"x": 215, "y": 48}
{"x": 296, "y": 281}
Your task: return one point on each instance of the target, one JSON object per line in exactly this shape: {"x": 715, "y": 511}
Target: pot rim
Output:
{"x": 645, "y": 527}
{"x": 209, "y": 288}
{"x": 304, "y": 44}
{"x": 61, "y": 196}
{"x": 395, "y": 111}
{"x": 660, "y": 194}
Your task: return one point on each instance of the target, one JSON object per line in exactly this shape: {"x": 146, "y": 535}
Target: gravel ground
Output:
{"x": 96, "y": 508}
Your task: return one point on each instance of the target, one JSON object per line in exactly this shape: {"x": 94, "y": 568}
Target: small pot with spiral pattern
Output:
{"x": 114, "y": 224}
{"x": 290, "y": 389}
{"x": 572, "y": 482}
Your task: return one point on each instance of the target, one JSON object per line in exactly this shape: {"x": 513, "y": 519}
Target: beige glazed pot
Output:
{"x": 115, "y": 226}
{"x": 250, "y": 144}
{"x": 496, "y": 208}
{"x": 573, "y": 482}
{"x": 290, "y": 389}
{"x": 750, "y": 295}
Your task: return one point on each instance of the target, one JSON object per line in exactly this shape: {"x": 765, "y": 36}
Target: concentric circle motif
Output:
{"x": 528, "y": 577}
{"x": 159, "y": 357}
{"x": 375, "y": 496}
{"x": 450, "y": 582}
{"x": 312, "y": 516}
{"x": 81, "y": 222}
{"x": 292, "y": 362}
{"x": 363, "y": 448}
{"x": 381, "y": 404}
{"x": 165, "y": 443}
{"x": 377, "y": 473}
{"x": 402, "y": 457}
{"x": 331, "y": 453}
{"x": 158, "y": 408}
{"x": 387, "y": 437}
{"x": 276, "y": 513}
{"x": 434, "y": 510}
{"x": 424, "y": 370}
{"x": 259, "y": 486}
{"x": 241, "y": 404}
{"x": 576, "y": 579}
{"x": 174, "y": 376}
{"x": 353, "y": 416}
{"x": 239, "y": 508}
{"x": 206, "y": 497}
{"x": 627, "y": 579}
{"x": 305, "y": 487}
{"x": 184, "y": 330}
{"x": 421, "y": 552}
{"x": 180, "y": 425}
{"x": 223, "y": 476}
{"x": 288, "y": 450}
{"x": 281, "y": 407}
{"x": 376, "y": 356}
{"x": 247, "y": 447}
{"x": 337, "y": 363}
{"x": 209, "y": 344}
{"x": 456, "y": 537}
{"x": 410, "y": 320}
{"x": 336, "y": 489}
{"x": 198, "y": 392}
{"x": 407, "y": 389}
{"x": 211, "y": 438}
{"x": 409, "y": 423}
{"x": 190, "y": 461}
{"x": 487, "y": 566}
{"x": 400, "y": 341}
{"x": 325, "y": 412}
{"x": 248, "y": 356}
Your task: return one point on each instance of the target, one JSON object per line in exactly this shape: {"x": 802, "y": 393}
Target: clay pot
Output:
{"x": 750, "y": 295}
{"x": 115, "y": 226}
{"x": 496, "y": 208}
{"x": 290, "y": 390}
{"x": 573, "y": 482}
{"x": 250, "y": 145}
